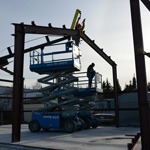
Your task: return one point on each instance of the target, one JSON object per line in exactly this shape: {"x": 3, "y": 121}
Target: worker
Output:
{"x": 90, "y": 74}
{"x": 80, "y": 28}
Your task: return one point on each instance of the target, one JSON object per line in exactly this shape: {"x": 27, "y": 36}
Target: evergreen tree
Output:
{"x": 134, "y": 83}
{"x": 128, "y": 87}
{"x": 103, "y": 85}
{"x": 108, "y": 86}
{"x": 107, "y": 89}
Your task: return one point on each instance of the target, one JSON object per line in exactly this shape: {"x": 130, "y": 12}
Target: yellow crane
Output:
{"x": 77, "y": 13}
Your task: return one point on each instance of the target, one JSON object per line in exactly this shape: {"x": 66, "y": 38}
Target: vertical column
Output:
{"x": 141, "y": 74}
{"x": 115, "y": 94}
{"x": 18, "y": 82}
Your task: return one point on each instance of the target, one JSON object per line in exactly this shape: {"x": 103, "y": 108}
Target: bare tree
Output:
{"x": 37, "y": 85}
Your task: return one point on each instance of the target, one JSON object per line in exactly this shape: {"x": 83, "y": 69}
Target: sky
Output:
{"x": 108, "y": 22}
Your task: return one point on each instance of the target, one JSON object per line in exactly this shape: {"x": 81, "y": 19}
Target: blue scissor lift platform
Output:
{"x": 56, "y": 61}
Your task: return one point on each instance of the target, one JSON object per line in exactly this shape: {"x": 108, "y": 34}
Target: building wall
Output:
{"x": 126, "y": 101}
{"x": 129, "y": 117}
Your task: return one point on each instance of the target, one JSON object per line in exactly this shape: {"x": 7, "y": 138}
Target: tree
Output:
{"x": 107, "y": 89}
{"x": 132, "y": 85}
{"x": 37, "y": 85}
{"x": 106, "y": 86}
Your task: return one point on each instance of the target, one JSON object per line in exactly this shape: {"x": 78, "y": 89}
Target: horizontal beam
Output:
{"x": 147, "y": 54}
{"x": 4, "y": 80}
{"x": 146, "y": 3}
{"x": 35, "y": 47}
{"x": 34, "y": 29}
{"x": 97, "y": 49}
{"x": 8, "y": 71}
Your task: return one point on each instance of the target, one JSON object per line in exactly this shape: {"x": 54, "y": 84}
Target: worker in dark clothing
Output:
{"x": 80, "y": 28}
{"x": 90, "y": 74}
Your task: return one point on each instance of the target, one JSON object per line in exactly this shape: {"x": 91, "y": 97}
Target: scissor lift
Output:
{"x": 65, "y": 86}
{"x": 62, "y": 63}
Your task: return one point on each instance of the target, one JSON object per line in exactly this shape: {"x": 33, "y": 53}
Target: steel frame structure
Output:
{"x": 20, "y": 31}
